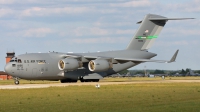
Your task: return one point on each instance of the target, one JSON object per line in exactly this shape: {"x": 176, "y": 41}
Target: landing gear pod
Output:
{"x": 99, "y": 65}
{"x": 69, "y": 64}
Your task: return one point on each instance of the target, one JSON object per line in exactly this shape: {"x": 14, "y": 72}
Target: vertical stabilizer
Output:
{"x": 191, "y": 72}
{"x": 148, "y": 31}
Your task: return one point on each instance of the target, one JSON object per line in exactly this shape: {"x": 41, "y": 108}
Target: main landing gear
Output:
{"x": 82, "y": 80}
{"x": 16, "y": 80}
{"x": 68, "y": 81}
{"x": 89, "y": 80}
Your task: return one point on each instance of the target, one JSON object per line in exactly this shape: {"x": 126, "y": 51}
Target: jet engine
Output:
{"x": 69, "y": 64}
{"x": 99, "y": 65}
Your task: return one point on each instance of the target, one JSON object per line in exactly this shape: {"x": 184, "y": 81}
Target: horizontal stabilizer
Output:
{"x": 152, "y": 19}
{"x": 139, "y": 22}
{"x": 157, "y": 19}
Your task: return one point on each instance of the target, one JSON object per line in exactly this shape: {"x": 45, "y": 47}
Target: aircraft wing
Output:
{"x": 141, "y": 60}
{"x": 116, "y": 60}
{"x": 149, "y": 60}
{"x": 91, "y": 57}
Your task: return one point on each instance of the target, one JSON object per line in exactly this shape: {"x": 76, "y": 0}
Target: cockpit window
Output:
{"x": 32, "y": 61}
{"x": 19, "y": 61}
{"x": 24, "y": 61}
{"x": 12, "y": 60}
{"x": 27, "y": 61}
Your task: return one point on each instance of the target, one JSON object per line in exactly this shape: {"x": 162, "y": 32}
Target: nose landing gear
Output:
{"x": 16, "y": 80}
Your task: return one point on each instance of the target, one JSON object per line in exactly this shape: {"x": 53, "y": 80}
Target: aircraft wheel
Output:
{"x": 16, "y": 82}
{"x": 75, "y": 80}
{"x": 96, "y": 80}
{"x": 82, "y": 80}
{"x": 62, "y": 81}
{"x": 68, "y": 81}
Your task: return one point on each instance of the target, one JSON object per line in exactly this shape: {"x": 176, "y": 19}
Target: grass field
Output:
{"x": 116, "y": 79}
{"x": 149, "y": 97}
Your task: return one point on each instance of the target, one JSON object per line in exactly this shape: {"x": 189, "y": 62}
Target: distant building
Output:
{"x": 3, "y": 75}
{"x": 9, "y": 56}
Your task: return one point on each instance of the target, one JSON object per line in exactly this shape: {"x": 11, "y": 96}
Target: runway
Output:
{"x": 26, "y": 86}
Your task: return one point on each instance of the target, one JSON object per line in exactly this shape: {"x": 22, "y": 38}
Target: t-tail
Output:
{"x": 191, "y": 72}
{"x": 148, "y": 31}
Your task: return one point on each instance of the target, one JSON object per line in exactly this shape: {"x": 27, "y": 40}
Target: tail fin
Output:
{"x": 191, "y": 72}
{"x": 148, "y": 31}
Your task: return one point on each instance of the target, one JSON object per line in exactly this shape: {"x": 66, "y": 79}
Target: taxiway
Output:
{"x": 25, "y": 86}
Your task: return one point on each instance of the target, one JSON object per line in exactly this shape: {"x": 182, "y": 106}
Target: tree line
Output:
{"x": 157, "y": 71}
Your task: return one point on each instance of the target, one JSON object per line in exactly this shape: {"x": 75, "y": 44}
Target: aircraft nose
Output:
{"x": 7, "y": 68}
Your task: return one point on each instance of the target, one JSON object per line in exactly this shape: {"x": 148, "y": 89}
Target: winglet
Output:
{"x": 174, "y": 57}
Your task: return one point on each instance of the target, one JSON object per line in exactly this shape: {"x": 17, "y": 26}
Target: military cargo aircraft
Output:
{"x": 87, "y": 67}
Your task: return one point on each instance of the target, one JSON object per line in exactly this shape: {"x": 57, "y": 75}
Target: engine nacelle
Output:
{"x": 69, "y": 64}
{"x": 99, "y": 65}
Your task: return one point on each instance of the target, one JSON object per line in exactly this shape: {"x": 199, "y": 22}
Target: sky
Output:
{"x": 99, "y": 25}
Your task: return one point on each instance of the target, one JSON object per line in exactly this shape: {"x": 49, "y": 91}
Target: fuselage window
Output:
{"x": 15, "y": 60}
{"x": 13, "y": 65}
{"x": 27, "y": 61}
{"x": 19, "y": 61}
{"x": 24, "y": 61}
{"x": 32, "y": 61}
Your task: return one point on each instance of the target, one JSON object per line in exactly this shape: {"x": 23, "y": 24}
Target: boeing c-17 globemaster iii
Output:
{"x": 87, "y": 67}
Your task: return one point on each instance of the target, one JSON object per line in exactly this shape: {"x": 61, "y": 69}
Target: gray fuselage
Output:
{"x": 44, "y": 66}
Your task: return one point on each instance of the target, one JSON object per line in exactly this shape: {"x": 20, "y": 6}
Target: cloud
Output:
{"x": 94, "y": 31}
{"x": 180, "y": 32}
{"x": 5, "y": 12}
{"x": 112, "y": 24}
{"x": 38, "y": 11}
{"x": 188, "y": 6}
{"x": 193, "y": 6}
{"x": 85, "y": 31}
{"x": 137, "y": 3}
{"x": 28, "y": 1}
{"x": 125, "y": 31}
{"x": 31, "y": 32}
{"x": 37, "y": 32}
{"x": 100, "y": 40}
{"x": 177, "y": 43}
{"x": 7, "y": 1}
